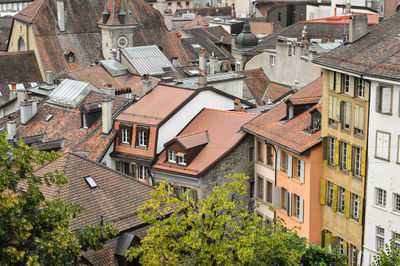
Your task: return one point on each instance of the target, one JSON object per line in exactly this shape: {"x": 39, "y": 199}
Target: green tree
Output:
{"x": 215, "y": 230}
{"x": 35, "y": 230}
{"x": 389, "y": 256}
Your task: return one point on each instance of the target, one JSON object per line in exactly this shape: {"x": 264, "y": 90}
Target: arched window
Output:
{"x": 21, "y": 44}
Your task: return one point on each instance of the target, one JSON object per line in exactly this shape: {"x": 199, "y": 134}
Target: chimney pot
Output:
{"x": 106, "y": 113}
{"x": 202, "y": 61}
{"x": 237, "y": 105}
{"x": 49, "y": 77}
{"x": 147, "y": 84}
{"x": 202, "y": 80}
{"x": 13, "y": 86}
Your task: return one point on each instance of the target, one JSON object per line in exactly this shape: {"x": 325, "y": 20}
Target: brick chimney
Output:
{"x": 106, "y": 113}
{"x": 202, "y": 80}
{"x": 147, "y": 84}
{"x": 213, "y": 64}
{"x": 11, "y": 128}
{"x": 61, "y": 15}
{"x": 358, "y": 27}
{"x": 203, "y": 60}
{"x": 26, "y": 111}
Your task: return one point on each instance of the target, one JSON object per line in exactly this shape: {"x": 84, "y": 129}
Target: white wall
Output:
{"x": 232, "y": 87}
{"x": 10, "y": 9}
{"x": 205, "y": 99}
{"x": 382, "y": 174}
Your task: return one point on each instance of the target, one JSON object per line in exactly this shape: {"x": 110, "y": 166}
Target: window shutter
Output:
{"x": 130, "y": 135}
{"x": 347, "y": 204}
{"x": 337, "y": 152}
{"x": 301, "y": 162}
{"x": 361, "y": 117}
{"x": 278, "y": 159}
{"x": 363, "y": 158}
{"x": 301, "y": 215}
{"x": 290, "y": 165}
{"x": 361, "y": 211}
{"x": 334, "y": 242}
{"x": 386, "y": 100}
{"x": 378, "y": 97}
{"x": 117, "y": 166}
{"x": 386, "y": 141}
{"x": 345, "y": 248}
{"x": 356, "y": 116}
{"x": 334, "y": 197}
{"x": 330, "y": 110}
{"x": 379, "y": 144}
{"x": 332, "y": 81}
{"x": 289, "y": 203}
{"x": 131, "y": 170}
{"x": 367, "y": 89}
{"x": 322, "y": 192}
{"x": 336, "y": 111}
{"x": 328, "y": 237}
{"x": 277, "y": 198}
{"x": 338, "y": 82}
{"x": 349, "y": 156}
{"x": 352, "y": 80}
{"x": 348, "y": 113}
{"x": 324, "y": 148}
{"x": 136, "y": 171}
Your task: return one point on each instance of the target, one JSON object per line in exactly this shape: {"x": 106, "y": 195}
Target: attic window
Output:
{"x": 91, "y": 182}
{"x": 49, "y": 117}
{"x": 70, "y": 56}
{"x": 181, "y": 158}
{"x": 171, "y": 156}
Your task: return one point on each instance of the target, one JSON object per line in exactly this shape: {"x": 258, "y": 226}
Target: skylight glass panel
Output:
{"x": 91, "y": 182}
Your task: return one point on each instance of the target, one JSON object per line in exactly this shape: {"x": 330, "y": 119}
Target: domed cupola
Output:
{"x": 246, "y": 38}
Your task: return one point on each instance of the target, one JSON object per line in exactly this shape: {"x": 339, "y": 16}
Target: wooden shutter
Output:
{"x": 336, "y": 106}
{"x": 363, "y": 158}
{"x": 324, "y": 148}
{"x": 330, "y": 107}
{"x": 349, "y": 156}
{"x": 332, "y": 80}
{"x": 118, "y": 166}
{"x": 278, "y": 159}
{"x": 337, "y": 143}
{"x": 352, "y": 80}
{"x": 356, "y": 116}
{"x": 386, "y": 100}
{"x": 361, "y": 117}
{"x": 131, "y": 170}
{"x": 378, "y": 97}
{"x": 347, "y": 201}
{"x": 302, "y": 170}
{"x": 328, "y": 237}
{"x": 348, "y": 113}
{"x": 360, "y": 218}
{"x": 367, "y": 89}
{"x": 289, "y": 203}
{"x": 334, "y": 197}
{"x": 136, "y": 171}
{"x": 277, "y": 198}
{"x": 301, "y": 215}
{"x": 345, "y": 252}
{"x": 338, "y": 82}
{"x": 322, "y": 192}
{"x": 290, "y": 165}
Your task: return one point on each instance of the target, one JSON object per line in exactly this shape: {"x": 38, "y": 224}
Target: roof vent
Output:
{"x": 92, "y": 184}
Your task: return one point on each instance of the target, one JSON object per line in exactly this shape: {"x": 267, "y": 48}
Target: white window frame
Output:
{"x": 357, "y": 161}
{"x": 260, "y": 188}
{"x": 272, "y": 60}
{"x": 346, "y": 84}
{"x": 343, "y": 155}
{"x": 341, "y": 246}
{"x": 396, "y": 202}
{"x": 329, "y": 195}
{"x": 124, "y": 135}
{"x": 142, "y": 138}
{"x": 396, "y": 237}
{"x": 341, "y": 195}
{"x": 171, "y": 156}
{"x": 380, "y": 197}
{"x": 142, "y": 171}
{"x": 331, "y": 155}
{"x": 382, "y": 145}
{"x": 297, "y": 206}
{"x": 355, "y": 206}
{"x": 380, "y": 238}
{"x": 361, "y": 88}
{"x": 182, "y": 159}
{"x": 353, "y": 255}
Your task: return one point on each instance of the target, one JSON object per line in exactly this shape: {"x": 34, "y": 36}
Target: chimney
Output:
{"x": 213, "y": 64}
{"x": 237, "y": 105}
{"x": 106, "y": 13}
{"x": 168, "y": 19}
{"x": 233, "y": 45}
{"x": 175, "y": 61}
{"x": 179, "y": 35}
{"x": 202, "y": 80}
{"x": 106, "y": 112}
{"x": 49, "y": 77}
{"x": 147, "y": 84}
{"x": 11, "y": 128}
{"x": 13, "y": 90}
{"x": 61, "y": 15}
{"x": 34, "y": 107}
{"x": 26, "y": 111}
{"x": 22, "y": 95}
{"x": 108, "y": 89}
{"x": 358, "y": 27}
{"x": 122, "y": 14}
{"x": 203, "y": 60}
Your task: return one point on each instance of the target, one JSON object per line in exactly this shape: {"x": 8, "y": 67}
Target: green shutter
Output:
{"x": 324, "y": 148}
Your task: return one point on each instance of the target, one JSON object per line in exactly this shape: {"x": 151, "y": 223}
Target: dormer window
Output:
{"x": 171, "y": 156}
{"x": 315, "y": 121}
{"x": 70, "y": 56}
{"x": 125, "y": 136}
{"x": 84, "y": 121}
{"x": 181, "y": 158}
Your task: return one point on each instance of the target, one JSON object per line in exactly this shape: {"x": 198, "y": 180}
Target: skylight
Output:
{"x": 91, "y": 182}
{"x": 50, "y": 116}
{"x": 196, "y": 45}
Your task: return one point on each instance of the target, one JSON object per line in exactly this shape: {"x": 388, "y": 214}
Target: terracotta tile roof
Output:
{"x": 67, "y": 124}
{"x": 264, "y": 7}
{"x": 290, "y": 134}
{"x": 276, "y": 92}
{"x": 103, "y": 257}
{"x": 193, "y": 139}
{"x": 153, "y": 108}
{"x": 104, "y": 202}
{"x": 198, "y": 21}
{"x": 223, "y": 128}
{"x": 82, "y": 35}
{"x": 376, "y": 54}
{"x": 372, "y": 20}
{"x": 19, "y": 67}
{"x": 258, "y": 27}
{"x": 5, "y": 28}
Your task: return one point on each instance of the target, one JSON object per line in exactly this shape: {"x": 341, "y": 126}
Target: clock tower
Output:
{"x": 116, "y": 26}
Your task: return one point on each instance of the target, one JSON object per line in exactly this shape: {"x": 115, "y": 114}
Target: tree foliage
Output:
{"x": 389, "y": 256}
{"x": 35, "y": 230}
{"x": 217, "y": 230}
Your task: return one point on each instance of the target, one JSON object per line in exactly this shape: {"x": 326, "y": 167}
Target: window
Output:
{"x": 142, "y": 138}
{"x": 382, "y": 145}
{"x": 269, "y": 192}
{"x": 333, "y": 110}
{"x": 181, "y": 158}
{"x": 396, "y": 202}
{"x": 178, "y": 4}
{"x": 272, "y": 60}
{"x": 357, "y": 161}
{"x": 360, "y": 85}
{"x": 171, "y": 156}
{"x": 283, "y": 161}
{"x": 260, "y": 152}
{"x": 353, "y": 255}
{"x": 380, "y": 238}
{"x": 346, "y": 83}
{"x": 330, "y": 193}
{"x": 396, "y": 237}
{"x": 384, "y": 100}
{"x": 380, "y": 197}
{"x": 125, "y": 135}
{"x": 355, "y": 206}
{"x": 70, "y": 58}
{"x": 345, "y": 115}
{"x": 84, "y": 121}
{"x": 238, "y": 66}
{"x": 359, "y": 112}
{"x": 297, "y": 206}
{"x": 331, "y": 153}
{"x": 342, "y": 193}
{"x": 251, "y": 190}
{"x": 251, "y": 154}
{"x": 270, "y": 155}
{"x": 142, "y": 172}
{"x": 341, "y": 245}
{"x": 260, "y": 187}
{"x": 187, "y": 4}
{"x": 343, "y": 155}
{"x": 284, "y": 199}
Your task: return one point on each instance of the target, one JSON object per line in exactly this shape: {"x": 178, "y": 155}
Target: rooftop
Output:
{"x": 192, "y": 83}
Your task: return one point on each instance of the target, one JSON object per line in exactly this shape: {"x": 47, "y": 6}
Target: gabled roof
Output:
{"x": 375, "y": 54}
{"x": 191, "y": 140}
{"x": 5, "y": 28}
{"x": 290, "y": 134}
{"x": 104, "y": 203}
{"x": 223, "y": 128}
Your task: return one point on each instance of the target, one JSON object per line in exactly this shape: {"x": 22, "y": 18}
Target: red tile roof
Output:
{"x": 199, "y": 20}
{"x": 372, "y": 20}
{"x": 260, "y": 27}
{"x": 193, "y": 139}
{"x": 290, "y": 134}
{"x": 223, "y": 128}
{"x": 275, "y": 92}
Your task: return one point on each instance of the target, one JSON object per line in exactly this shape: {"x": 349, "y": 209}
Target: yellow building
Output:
{"x": 344, "y": 132}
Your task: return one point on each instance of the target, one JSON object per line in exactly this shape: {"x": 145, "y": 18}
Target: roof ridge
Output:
{"x": 232, "y": 112}
{"x": 191, "y": 134}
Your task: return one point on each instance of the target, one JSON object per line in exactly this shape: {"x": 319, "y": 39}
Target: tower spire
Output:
{"x": 122, "y": 14}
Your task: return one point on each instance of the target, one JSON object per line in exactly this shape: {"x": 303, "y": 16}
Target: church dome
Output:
{"x": 246, "y": 38}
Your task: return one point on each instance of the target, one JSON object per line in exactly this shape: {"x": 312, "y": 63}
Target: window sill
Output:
{"x": 359, "y": 136}
{"x": 380, "y": 208}
{"x": 383, "y": 159}
{"x": 141, "y": 147}
{"x": 344, "y": 130}
{"x": 125, "y": 144}
{"x": 334, "y": 126}
{"x": 388, "y": 114}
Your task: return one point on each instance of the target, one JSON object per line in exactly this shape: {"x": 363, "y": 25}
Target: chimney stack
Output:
{"x": 26, "y": 111}
{"x": 168, "y": 19}
{"x": 61, "y": 15}
{"x": 203, "y": 60}
{"x": 202, "y": 80}
{"x": 34, "y": 106}
{"x": 213, "y": 64}
{"x": 11, "y": 128}
{"x": 22, "y": 95}
{"x": 237, "y": 105}
{"x": 13, "y": 90}
{"x": 106, "y": 112}
{"x": 49, "y": 77}
{"x": 175, "y": 61}
{"x": 108, "y": 89}
{"x": 147, "y": 84}
{"x": 106, "y": 13}
{"x": 358, "y": 27}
